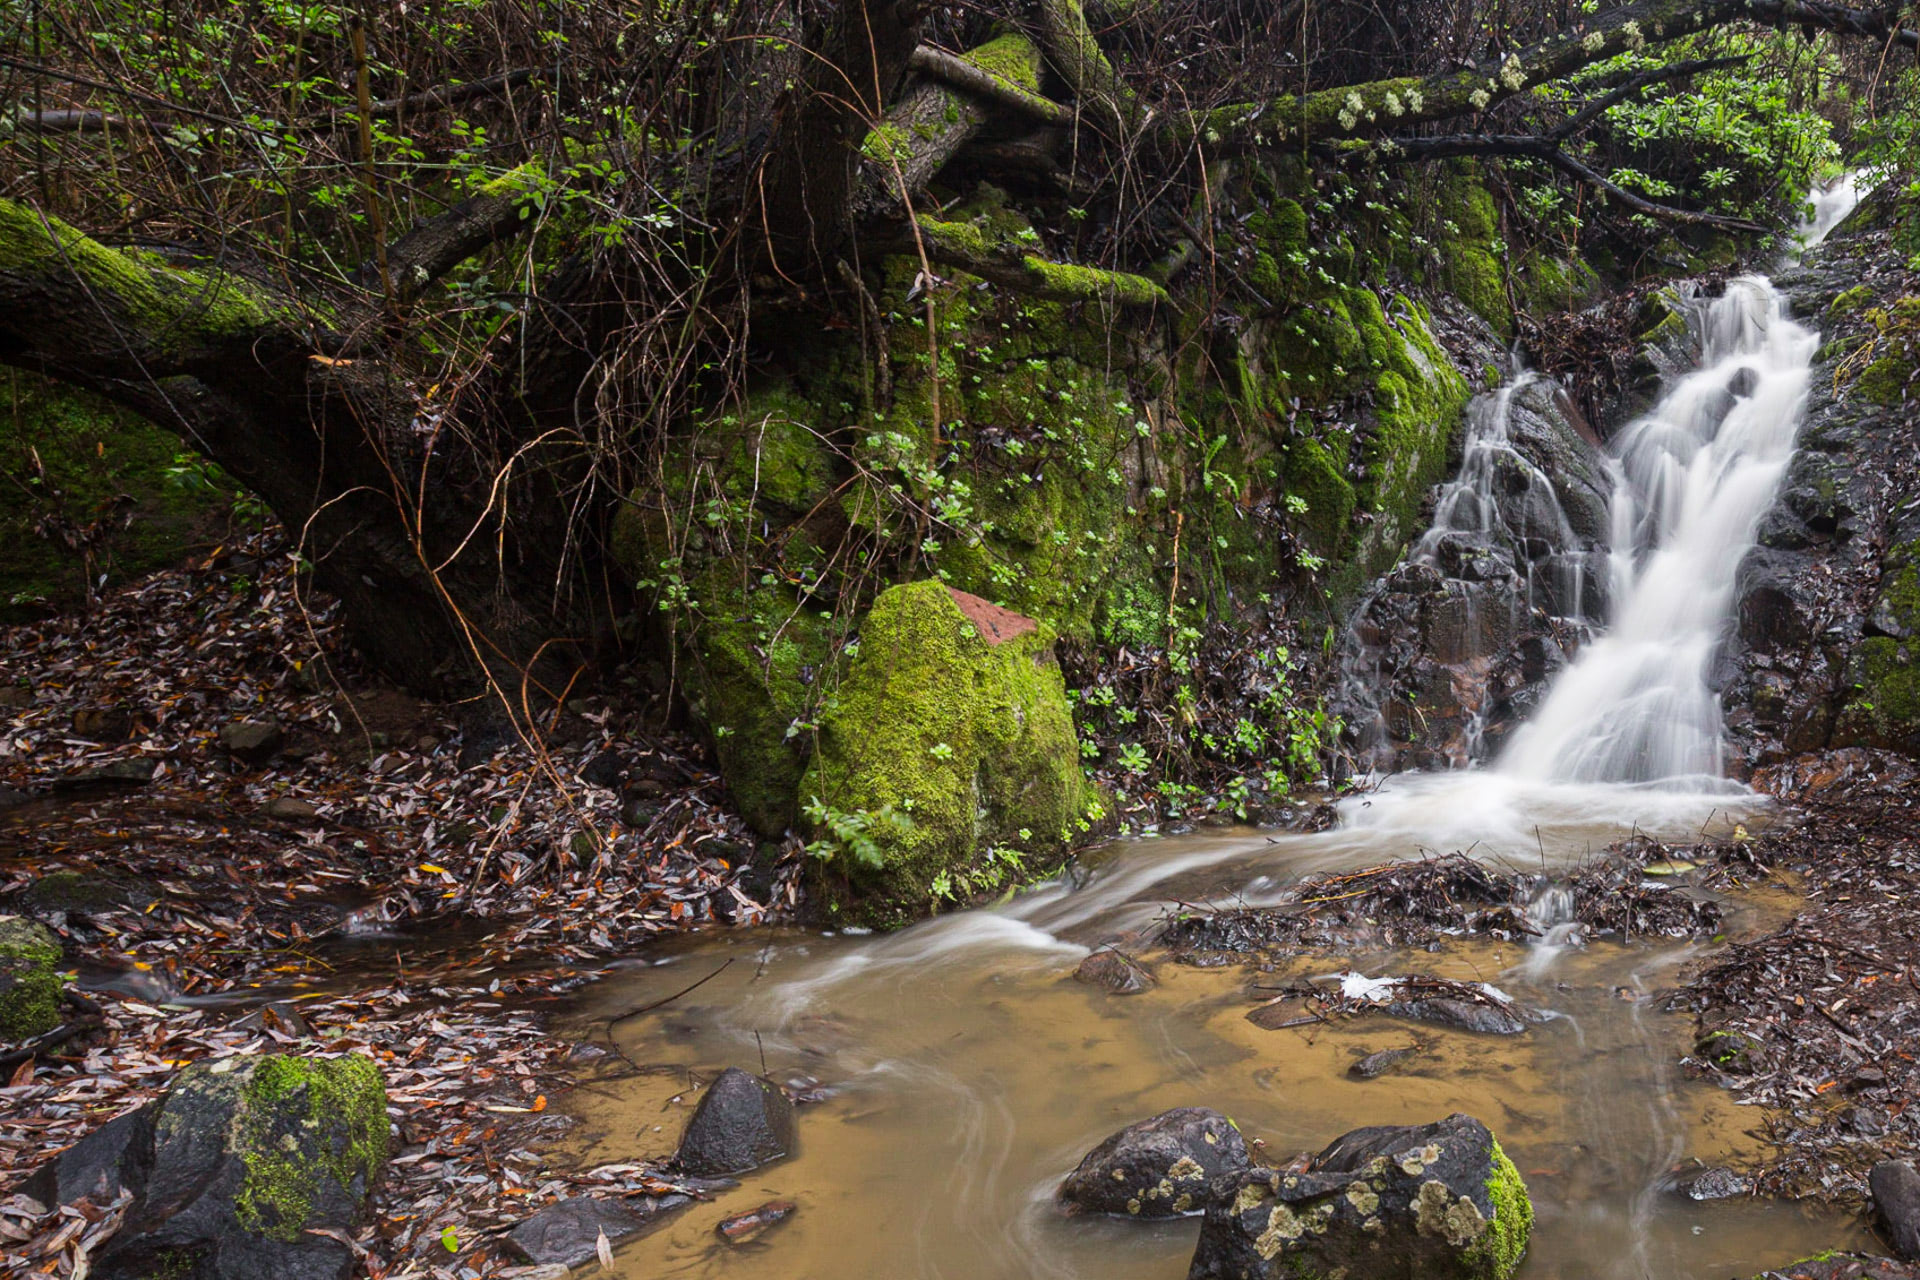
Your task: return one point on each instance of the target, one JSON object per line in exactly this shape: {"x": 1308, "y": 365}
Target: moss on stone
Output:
{"x": 97, "y": 464}
{"x": 1472, "y": 272}
{"x": 1851, "y": 300}
{"x": 29, "y": 979}
{"x": 1497, "y": 1254}
{"x": 970, "y": 743}
{"x": 342, "y": 1101}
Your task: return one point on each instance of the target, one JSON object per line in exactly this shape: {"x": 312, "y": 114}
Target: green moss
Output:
{"x": 970, "y": 741}
{"x": 1497, "y": 1254}
{"x": 342, "y": 1102}
{"x": 1852, "y": 300}
{"x": 29, "y": 979}
{"x": 97, "y": 464}
{"x": 1472, "y": 272}
{"x": 1885, "y": 380}
{"x": 886, "y": 143}
{"x": 1011, "y": 58}
{"x": 167, "y": 305}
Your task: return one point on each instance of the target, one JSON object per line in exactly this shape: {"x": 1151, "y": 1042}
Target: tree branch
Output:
{"x": 1353, "y": 111}
{"x": 965, "y": 247}
{"x": 1634, "y": 84}
{"x": 966, "y": 74}
{"x": 1546, "y": 150}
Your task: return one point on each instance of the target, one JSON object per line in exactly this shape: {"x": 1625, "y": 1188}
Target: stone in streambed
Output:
{"x": 1896, "y": 1198}
{"x": 568, "y": 1233}
{"x": 1114, "y": 972}
{"x": 1387, "y": 1203}
{"x": 1375, "y": 1065}
{"x": 29, "y": 979}
{"x": 1158, "y": 1168}
{"x": 252, "y": 740}
{"x": 236, "y": 1171}
{"x": 1461, "y": 1015}
{"x": 742, "y": 1122}
{"x": 1845, "y": 1266}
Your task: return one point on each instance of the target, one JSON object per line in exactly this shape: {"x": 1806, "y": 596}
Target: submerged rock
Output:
{"x": 1460, "y": 1015}
{"x": 742, "y": 1227}
{"x": 1715, "y": 1182}
{"x": 1896, "y": 1198}
{"x": 1117, "y": 973}
{"x": 1387, "y": 1203}
{"x": 568, "y": 1233}
{"x": 742, "y": 1122}
{"x": 1158, "y": 1168}
{"x": 29, "y": 979}
{"x": 236, "y": 1172}
{"x": 1375, "y": 1065}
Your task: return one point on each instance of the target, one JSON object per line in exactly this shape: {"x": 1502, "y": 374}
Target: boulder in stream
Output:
{"x": 567, "y": 1233}
{"x": 1384, "y": 1203}
{"x": 742, "y": 1122}
{"x": 1114, "y": 972}
{"x": 1158, "y": 1168}
{"x": 236, "y": 1171}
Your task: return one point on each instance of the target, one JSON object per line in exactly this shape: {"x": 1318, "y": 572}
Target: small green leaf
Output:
{"x": 450, "y": 1238}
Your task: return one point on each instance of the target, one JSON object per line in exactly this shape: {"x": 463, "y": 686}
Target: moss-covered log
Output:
{"x": 967, "y": 247}
{"x": 1385, "y": 105}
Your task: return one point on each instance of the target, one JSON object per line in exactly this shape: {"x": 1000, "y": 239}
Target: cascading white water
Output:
{"x": 1693, "y": 479}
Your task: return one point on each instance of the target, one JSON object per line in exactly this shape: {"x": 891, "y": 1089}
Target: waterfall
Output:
{"x": 1693, "y": 479}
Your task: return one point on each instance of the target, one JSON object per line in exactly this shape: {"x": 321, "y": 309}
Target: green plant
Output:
{"x": 856, "y": 835}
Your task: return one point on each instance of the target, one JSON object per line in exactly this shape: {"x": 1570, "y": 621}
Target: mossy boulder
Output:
{"x": 236, "y": 1171}
{"x": 946, "y": 763}
{"x": 1439, "y": 1200}
{"x": 98, "y": 491}
{"x": 1884, "y": 710}
{"x": 29, "y": 979}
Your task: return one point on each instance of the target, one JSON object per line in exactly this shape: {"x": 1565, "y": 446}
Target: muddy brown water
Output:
{"x": 969, "y": 1071}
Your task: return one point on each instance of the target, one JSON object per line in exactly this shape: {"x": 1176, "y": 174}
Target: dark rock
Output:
{"x": 236, "y": 1170}
{"x": 29, "y": 979}
{"x": 1460, "y": 1015}
{"x": 11, "y": 798}
{"x": 100, "y": 1165}
{"x": 1375, "y": 1065}
{"x": 1896, "y": 1198}
{"x": 15, "y": 697}
{"x": 1383, "y": 1203}
{"x": 103, "y": 724}
{"x": 1108, "y": 969}
{"x": 604, "y": 770}
{"x": 289, "y": 809}
{"x": 567, "y": 1234}
{"x": 742, "y": 1122}
{"x": 72, "y": 893}
{"x": 743, "y": 1227}
{"x": 254, "y": 741}
{"x": 1158, "y": 1168}
{"x": 1714, "y": 1182}
{"x": 1733, "y": 1052}
{"x": 1844, "y": 1266}
{"x": 133, "y": 771}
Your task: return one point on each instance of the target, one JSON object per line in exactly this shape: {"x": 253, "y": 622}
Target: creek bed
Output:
{"x": 968, "y": 1072}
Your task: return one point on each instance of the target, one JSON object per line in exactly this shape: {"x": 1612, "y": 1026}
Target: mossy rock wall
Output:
{"x": 1884, "y": 671}
{"x": 946, "y": 764}
{"x": 76, "y": 468}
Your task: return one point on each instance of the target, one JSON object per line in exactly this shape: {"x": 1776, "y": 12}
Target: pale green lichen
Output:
{"x": 340, "y": 1103}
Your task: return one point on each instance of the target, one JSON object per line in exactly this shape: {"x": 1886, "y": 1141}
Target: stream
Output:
{"x": 966, "y": 1073}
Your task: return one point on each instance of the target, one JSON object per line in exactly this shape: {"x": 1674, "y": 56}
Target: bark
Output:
{"x": 440, "y": 573}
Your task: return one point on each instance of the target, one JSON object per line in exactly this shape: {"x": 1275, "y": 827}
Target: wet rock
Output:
{"x": 1460, "y": 1015}
{"x": 13, "y": 798}
{"x": 133, "y": 771}
{"x": 743, "y": 1227}
{"x": 237, "y": 1171}
{"x": 567, "y": 1234}
{"x": 1158, "y": 1168}
{"x": 72, "y": 893}
{"x": 1733, "y": 1052}
{"x": 29, "y": 979}
{"x": 103, "y": 724}
{"x": 1844, "y": 1266}
{"x": 1895, "y": 1187}
{"x": 1382, "y": 1203}
{"x": 1375, "y": 1065}
{"x": 604, "y": 770}
{"x": 1114, "y": 972}
{"x": 254, "y": 741}
{"x": 15, "y": 697}
{"x": 742, "y": 1122}
{"x": 1713, "y": 1182}
{"x": 289, "y": 809}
